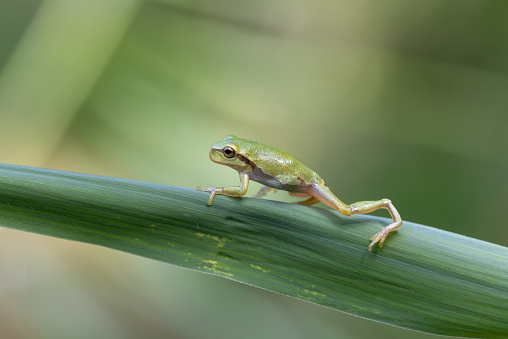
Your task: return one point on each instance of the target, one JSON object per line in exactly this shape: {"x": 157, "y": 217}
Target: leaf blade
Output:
{"x": 423, "y": 279}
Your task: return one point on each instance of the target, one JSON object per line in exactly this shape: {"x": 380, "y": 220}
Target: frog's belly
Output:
{"x": 270, "y": 181}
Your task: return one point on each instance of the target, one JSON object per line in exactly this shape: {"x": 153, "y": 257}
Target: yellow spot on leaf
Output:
{"x": 314, "y": 293}
{"x": 216, "y": 268}
{"x": 221, "y": 241}
{"x": 259, "y": 268}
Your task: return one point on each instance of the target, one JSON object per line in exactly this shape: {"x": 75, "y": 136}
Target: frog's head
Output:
{"x": 231, "y": 152}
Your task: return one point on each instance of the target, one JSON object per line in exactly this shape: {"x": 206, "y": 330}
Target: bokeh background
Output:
{"x": 400, "y": 99}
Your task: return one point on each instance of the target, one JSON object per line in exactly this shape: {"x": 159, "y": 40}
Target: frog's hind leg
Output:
{"x": 310, "y": 201}
{"x": 307, "y": 202}
{"x": 323, "y": 194}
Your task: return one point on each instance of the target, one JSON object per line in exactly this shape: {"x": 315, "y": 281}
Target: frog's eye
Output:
{"x": 228, "y": 152}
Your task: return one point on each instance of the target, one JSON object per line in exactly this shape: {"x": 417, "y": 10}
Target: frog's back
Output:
{"x": 278, "y": 169}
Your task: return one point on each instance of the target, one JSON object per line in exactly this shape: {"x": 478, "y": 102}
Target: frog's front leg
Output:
{"x": 263, "y": 191}
{"x": 232, "y": 191}
{"x": 323, "y": 194}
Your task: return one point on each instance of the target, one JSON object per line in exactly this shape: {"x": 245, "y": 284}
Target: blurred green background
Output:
{"x": 399, "y": 99}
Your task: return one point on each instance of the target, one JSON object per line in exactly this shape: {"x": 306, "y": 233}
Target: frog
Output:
{"x": 279, "y": 170}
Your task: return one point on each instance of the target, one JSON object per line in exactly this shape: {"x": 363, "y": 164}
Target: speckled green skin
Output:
{"x": 266, "y": 165}
{"x": 281, "y": 170}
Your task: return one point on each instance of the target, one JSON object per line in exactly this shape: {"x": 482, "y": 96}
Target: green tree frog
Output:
{"x": 279, "y": 170}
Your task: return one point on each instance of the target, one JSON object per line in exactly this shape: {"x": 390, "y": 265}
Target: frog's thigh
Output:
{"x": 323, "y": 194}
{"x": 310, "y": 201}
{"x": 299, "y": 194}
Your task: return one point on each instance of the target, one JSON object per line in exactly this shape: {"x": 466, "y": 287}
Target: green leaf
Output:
{"x": 423, "y": 279}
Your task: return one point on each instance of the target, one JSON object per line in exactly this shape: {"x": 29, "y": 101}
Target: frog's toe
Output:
{"x": 375, "y": 239}
{"x": 380, "y": 237}
{"x": 204, "y": 189}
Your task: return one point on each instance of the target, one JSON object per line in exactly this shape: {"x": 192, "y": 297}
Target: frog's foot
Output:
{"x": 263, "y": 191}
{"x": 212, "y": 190}
{"x": 380, "y": 237}
{"x": 207, "y": 189}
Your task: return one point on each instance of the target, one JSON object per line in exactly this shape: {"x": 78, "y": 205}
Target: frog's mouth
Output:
{"x": 214, "y": 154}
{"x": 217, "y": 156}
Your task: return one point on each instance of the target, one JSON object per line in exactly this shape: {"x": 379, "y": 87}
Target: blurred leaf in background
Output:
{"x": 398, "y": 99}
